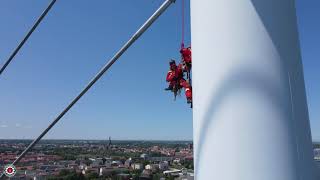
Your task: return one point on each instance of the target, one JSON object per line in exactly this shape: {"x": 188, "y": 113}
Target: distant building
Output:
{"x": 108, "y": 163}
{"x": 316, "y": 153}
{"x": 144, "y": 156}
{"x": 146, "y": 175}
{"x": 73, "y": 166}
{"x": 155, "y": 148}
{"x": 172, "y": 172}
{"x": 137, "y": 166}
{"x": 163, "y": 165}
{"x": 103, "y": 171}
{"x": 116, "y": 163}
{"x": 152, "y": 167}
{"x": 159, "y": 159}
{"x": 96, "y": 162}
{"x": 128, "y": 162}
{"x": 82, "y": 166}
{"x": 88, "y": 170}
{"x": 109, "y": 171}
{"x": 177, "y": 161}
{"x": 148, "y": 167}
{"x": 110, "y": 143}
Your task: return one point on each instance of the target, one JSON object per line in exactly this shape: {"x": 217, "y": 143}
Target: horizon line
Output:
{"x": 97, "y": 139}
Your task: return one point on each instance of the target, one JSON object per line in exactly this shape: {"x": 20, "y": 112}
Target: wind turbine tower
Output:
{"x": 250, "y": 111}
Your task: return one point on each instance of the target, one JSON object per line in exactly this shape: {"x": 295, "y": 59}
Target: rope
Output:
{"x": 182, "y": 23}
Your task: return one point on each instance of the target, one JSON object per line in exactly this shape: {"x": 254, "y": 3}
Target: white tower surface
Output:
{"x": 250, "y": 111}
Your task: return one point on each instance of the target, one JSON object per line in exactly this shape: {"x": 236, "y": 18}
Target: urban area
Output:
{"x": 104, "y": 159}
{"x": 100, "y": 159}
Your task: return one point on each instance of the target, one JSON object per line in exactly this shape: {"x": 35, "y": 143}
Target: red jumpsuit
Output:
{"x": 171, "y": 78}
{"x": 188, "y": 89}
{"x": 174, "y": 74}
{"x": 175, "y": 79}
{"x": 186, "y": 55}
{"x": 179, "y": 72}
{"x": 186, "y": 58}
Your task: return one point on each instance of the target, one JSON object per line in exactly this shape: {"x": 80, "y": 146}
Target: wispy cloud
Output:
{"x": 27, "y": 127}
{"x": 16, "y": 125}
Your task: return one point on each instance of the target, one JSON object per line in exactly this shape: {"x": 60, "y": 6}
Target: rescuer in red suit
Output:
{"x": 177, "y": 82}
{"x": 174, "y": 75}
{"x": 186, "y": 58}
{"x": 188, "y": 90}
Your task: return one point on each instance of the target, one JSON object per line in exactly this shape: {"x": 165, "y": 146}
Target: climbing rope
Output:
{"x": 182, "y": 23}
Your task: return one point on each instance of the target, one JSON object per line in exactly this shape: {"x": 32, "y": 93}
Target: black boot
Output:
{"x": 170, "y": 88}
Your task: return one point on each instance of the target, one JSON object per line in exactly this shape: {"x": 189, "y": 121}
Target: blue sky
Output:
{"x": 309, "y": 28}
{"x": 77, "y": 38}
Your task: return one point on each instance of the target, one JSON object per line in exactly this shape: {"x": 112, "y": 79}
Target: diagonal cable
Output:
{"x": 15, "y": 52}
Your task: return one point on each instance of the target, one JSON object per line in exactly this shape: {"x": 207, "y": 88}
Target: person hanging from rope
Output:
{"x": 185, "y": 52}
{"x": 186, "y": 60}
{"x": 174, "y": 75}
{"x": 177, "y": 82}
{"x": 188, "y": 90}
